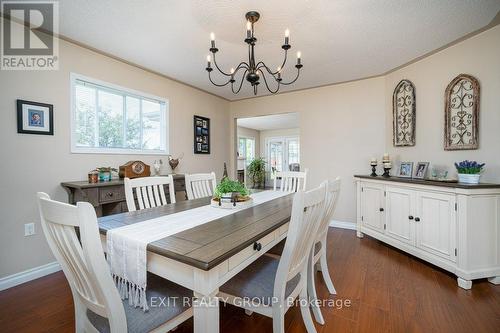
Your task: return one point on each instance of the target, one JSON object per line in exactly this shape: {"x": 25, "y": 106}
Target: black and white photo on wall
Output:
{"x": 35, "y": 118}
{"x": 201, "y": 135}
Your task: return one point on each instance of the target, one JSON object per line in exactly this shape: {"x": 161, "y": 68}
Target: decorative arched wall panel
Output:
{"x": 461, "y": 124}
{"x": 404, "y": 114}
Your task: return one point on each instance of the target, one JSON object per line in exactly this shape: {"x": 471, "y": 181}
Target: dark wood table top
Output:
{"x": 431, "y": 182}
{"x": 209, "y": 244}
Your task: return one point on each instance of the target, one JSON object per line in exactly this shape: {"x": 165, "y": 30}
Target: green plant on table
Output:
{"x": 230, "y": 186}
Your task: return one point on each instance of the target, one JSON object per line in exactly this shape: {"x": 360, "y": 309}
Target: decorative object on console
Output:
{"x": 404, "y": 114}
{"x": 386, "y": 163}
{"x": 405, "y": 170}
{"x": 174, "y": 162}
{"x": 157, "y": 166}
{"x": 201, "y": 135}
{"x": 373, "y": 163}
{"x": 469, "y": 172}
{"x": 421, "y": 170}
{"x": 93, "y": 177}
{"x": 35, "y": 118}
{"x": 461, "y": 129}
{"x": 230, "y": 194}
{"x": 135, "y": 169}
{"x": 105, "y": 173}
{"x": 252, "y": 70}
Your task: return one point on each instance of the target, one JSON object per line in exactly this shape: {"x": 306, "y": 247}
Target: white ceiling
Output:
{"x": 340, "y": 40}
{"x": 272, "y": 122}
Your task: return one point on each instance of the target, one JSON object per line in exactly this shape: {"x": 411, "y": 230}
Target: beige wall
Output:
{"x": 341, "y": 126}
{"x": 32, "y": 163}
{"x": 478, "y": 56}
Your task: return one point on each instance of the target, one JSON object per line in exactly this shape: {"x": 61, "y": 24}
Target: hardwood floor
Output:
{"x": 389, "y": 291}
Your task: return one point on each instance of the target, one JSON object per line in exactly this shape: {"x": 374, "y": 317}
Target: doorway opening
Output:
{"x": 273, "y": 141}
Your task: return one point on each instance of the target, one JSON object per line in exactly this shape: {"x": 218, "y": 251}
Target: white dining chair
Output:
{"x": 319, "y": 255}
{"x": 269, "y": 286}
{"x": 98, "y": 307}
{"x": 291, "y": 181}
{"x": 149, "y": 191}
{"x": 200, "y": 185}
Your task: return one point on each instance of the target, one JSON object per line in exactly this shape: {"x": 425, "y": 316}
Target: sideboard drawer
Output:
{"x": 111, "y": 193}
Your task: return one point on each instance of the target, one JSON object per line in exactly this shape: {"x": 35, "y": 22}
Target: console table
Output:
{"x": 108, "y": 197}
{"x": 451, "y": 225}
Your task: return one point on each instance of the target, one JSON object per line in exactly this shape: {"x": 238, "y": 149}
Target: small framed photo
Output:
{"x": 201, "y": 135}
{"x": 421, "y": 170}
{"x": 406, "y": 169}
{"x": 35, "y": 118}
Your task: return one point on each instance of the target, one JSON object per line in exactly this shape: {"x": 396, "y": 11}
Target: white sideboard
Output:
{"x": 451, "y": 225}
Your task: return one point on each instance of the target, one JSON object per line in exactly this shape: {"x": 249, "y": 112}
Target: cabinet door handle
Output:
{"x": 257, "y": 246}
{"x": 410, "y": 217}
{"x": 417, "y": 219}
{"x": 381, "y": 209}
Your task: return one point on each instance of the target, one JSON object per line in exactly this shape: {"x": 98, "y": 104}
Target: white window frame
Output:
{"x": 254, "y": 147}
{"x": 124, "y": 151}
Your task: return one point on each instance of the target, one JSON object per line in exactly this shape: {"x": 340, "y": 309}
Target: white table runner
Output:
{"x": 126, "y": 246}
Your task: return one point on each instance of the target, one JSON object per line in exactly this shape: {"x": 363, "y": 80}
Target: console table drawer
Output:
{"x": 111, "y": 193}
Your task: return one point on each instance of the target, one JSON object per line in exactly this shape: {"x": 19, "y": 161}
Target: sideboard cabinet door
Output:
{"x": 435, "y": 221}
{"x": 372, "y": 206}
{"x": 399, "y": 214}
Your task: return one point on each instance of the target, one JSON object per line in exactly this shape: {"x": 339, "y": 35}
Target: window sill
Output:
{"x": 117, "y": 151}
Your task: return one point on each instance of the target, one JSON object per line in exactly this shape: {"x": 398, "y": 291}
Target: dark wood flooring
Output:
{"x": 389, "y": 291}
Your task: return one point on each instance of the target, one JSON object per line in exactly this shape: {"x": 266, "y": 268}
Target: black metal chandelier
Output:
{"x": 253, "y": 71}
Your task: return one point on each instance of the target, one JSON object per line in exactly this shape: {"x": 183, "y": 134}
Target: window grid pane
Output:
{"x": 112, "y": 119}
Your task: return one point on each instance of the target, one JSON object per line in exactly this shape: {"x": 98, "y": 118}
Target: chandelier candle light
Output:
{"x": 252, "y": 71}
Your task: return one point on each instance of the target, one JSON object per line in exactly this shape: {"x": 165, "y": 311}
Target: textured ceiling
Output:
{"x": 340, "y": 40}
{"x": 272, "y": 122}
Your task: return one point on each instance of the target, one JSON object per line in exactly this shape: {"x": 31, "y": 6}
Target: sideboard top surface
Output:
{"x": 431, "y": 182}
{"x": 85, "y": 184}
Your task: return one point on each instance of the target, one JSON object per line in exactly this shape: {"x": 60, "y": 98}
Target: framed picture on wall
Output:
{"x": 201, "y": 135}
{"x": 35, "y": 118}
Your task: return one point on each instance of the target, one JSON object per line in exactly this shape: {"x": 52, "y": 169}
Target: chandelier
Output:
{"x": 253, "y": 71}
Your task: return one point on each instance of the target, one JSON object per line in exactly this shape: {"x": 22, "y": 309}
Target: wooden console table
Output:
{"x": 108, "y": 197}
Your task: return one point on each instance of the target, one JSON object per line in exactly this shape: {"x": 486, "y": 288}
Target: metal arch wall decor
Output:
{"x": 404, "y": 114}
{"x": 461, "y": 123}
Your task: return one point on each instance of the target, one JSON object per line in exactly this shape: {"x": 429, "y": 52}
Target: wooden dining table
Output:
{"x": 205, "y": 257}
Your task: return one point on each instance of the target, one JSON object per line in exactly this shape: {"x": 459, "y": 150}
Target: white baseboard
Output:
{"x": 343, "y": 224}
{"x": 28, "y": 275}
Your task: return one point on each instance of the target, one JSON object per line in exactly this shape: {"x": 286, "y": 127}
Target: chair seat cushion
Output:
{"x": 278, "y": 248}
{"x": 256, "y": 282}
{"x": 159, "y": 312}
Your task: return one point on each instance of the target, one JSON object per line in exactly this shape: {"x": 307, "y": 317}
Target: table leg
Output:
{"x": 206, "y": 313}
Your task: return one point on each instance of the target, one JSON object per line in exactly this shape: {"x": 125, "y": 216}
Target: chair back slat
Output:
{"x": 200, "y": 185}
{"x": 332, "y": 197}
{"x": 307, "y": 213}
{"x": 149, "y": 191}
{"x": 82, "y": 261}
{"x": 291, "y": 181}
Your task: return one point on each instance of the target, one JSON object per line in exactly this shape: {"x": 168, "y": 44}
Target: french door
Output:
{"x": 282, "y": 154}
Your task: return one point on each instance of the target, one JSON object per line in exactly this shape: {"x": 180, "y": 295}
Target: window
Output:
{"x": 110, "y": 119}
{"x": 247, "y": 149}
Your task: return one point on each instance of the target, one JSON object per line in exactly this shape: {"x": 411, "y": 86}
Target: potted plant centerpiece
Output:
{"x": 469, "y": 172}
{"x": 230, "y": 193}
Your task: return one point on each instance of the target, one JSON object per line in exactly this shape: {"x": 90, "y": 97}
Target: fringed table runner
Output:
{"x": 126, "y": 246}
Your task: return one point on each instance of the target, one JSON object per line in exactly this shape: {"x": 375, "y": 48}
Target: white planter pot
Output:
{"x": 468, "y": 178}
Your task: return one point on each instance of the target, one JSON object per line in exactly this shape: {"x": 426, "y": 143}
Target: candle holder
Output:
{"x": 386, "y": 172}
{"x": 374, "y": 169}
